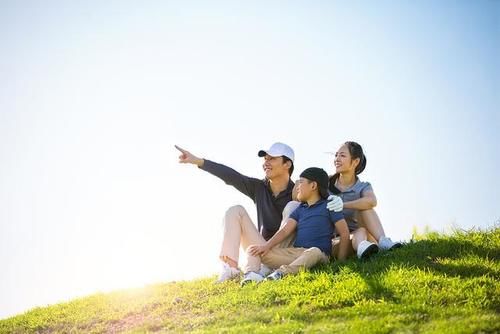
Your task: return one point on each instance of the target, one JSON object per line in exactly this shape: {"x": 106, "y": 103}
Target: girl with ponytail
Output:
{"x": 359, "y": 201}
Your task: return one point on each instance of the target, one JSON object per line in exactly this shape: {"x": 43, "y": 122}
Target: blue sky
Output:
{"x": 94, "y": 95}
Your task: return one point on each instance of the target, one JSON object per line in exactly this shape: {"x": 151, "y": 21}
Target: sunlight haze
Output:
{"x": 94, "y": 95}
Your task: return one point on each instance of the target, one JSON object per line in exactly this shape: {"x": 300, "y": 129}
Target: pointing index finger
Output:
{"x": 180, "y": 149}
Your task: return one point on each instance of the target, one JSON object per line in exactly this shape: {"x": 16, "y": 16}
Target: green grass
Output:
{"x": 435, "y": 284}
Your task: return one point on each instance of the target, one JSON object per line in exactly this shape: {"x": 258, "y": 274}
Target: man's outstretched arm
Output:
{"x": 243, "y": 183}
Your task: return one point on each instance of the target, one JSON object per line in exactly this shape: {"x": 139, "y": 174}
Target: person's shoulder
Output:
{"x": 298, "y": 212}
{"x": 322, "y": 203}
{"x": 320, "y": 207}
{"x": 263, "y": 181}
{"x": 335, "y": 216}
{"x": 361, "y": 185}
{"x": 302, "y": 207}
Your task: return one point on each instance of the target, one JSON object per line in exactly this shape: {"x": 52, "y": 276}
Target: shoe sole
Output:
{"x": 272, "y": 278}
{"x": 372, "y": 249}
{"x": 396, "y": 246}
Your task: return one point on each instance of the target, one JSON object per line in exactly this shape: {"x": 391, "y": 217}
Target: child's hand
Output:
{"x": 256, "y": 250}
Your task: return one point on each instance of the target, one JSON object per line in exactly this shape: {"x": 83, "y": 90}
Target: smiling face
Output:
{"x": 305, "y": 189}
{"x": 275, "y": 167}
{"x": 343, "y": 161}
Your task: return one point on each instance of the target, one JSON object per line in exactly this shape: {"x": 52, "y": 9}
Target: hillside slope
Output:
{"x": 435, "y": 284}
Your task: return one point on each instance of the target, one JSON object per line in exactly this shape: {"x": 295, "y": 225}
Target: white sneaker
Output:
{"x": 387, "y": 244}
{"x": 251, "y": 277}
{"x": 276, "y": 275}
{"x": 366, "y": 249}
{"x": 228, "y": 273}
{"x": 264, "y": 270}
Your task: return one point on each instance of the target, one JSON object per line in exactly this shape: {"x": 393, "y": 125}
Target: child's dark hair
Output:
{"x": 285, "y": 160}
{"x": 356, "y": 152}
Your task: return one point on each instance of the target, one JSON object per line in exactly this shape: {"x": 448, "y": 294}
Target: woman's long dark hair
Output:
{"x": 356, "y": 152}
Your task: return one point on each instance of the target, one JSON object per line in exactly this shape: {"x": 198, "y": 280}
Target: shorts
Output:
{"x": 351, "y": 224}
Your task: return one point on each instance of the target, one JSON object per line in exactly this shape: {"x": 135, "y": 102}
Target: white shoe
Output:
{"x": 264, "y": 270}
{"x": 366, "y": 249}
{"x": 276, "y": 275}
{"x": 387, "y": 244}
{"x": 228, "y": 273}
{"x": 251, "y": 277}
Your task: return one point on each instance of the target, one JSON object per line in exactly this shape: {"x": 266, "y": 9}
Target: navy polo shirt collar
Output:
{"x": 320, "y": 201}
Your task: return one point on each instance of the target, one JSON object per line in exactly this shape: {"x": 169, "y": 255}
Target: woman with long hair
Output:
{"x": 368, "y": 235}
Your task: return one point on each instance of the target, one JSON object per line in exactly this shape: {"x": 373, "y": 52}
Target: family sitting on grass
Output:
{"x": 298, "y": 225}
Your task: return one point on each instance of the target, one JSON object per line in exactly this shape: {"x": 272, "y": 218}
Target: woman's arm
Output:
{"x": 366, "y": 202}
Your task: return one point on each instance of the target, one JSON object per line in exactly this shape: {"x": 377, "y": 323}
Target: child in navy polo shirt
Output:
{"x": 314, "y": 225}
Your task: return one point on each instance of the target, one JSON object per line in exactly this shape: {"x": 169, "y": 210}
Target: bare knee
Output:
{"x": 364, "y": 216}
{"x": 359, "y": 235}
{"x": 370, "y": 220}
{"x": 360, "y": 232}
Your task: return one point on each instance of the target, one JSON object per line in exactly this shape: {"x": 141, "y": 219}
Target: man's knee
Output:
{"x": 235, "y": 210}
{"x": 234, "y": 214}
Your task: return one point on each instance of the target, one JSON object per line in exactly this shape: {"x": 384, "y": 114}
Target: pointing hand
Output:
{"x": 187, "y": 157}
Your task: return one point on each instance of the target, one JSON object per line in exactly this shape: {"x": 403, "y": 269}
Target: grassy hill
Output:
{"x": 435, "y": 284}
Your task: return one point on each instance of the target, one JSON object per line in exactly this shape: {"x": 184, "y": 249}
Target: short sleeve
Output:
{"x": 366, "y": 187}
{"x": 335, "y": 216}
{"x": 296, "y": 213}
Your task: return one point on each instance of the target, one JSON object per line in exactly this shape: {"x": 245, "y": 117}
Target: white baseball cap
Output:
{"x": 278, "y": 150}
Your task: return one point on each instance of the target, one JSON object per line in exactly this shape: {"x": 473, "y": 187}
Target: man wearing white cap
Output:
{"x": 270, "y": 195}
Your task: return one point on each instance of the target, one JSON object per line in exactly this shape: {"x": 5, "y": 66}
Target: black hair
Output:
{"x": 285, "y": 160}
{"x": 356, "y": 152}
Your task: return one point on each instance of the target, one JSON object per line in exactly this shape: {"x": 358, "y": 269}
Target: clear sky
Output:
{"x": 94, "y": 95}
